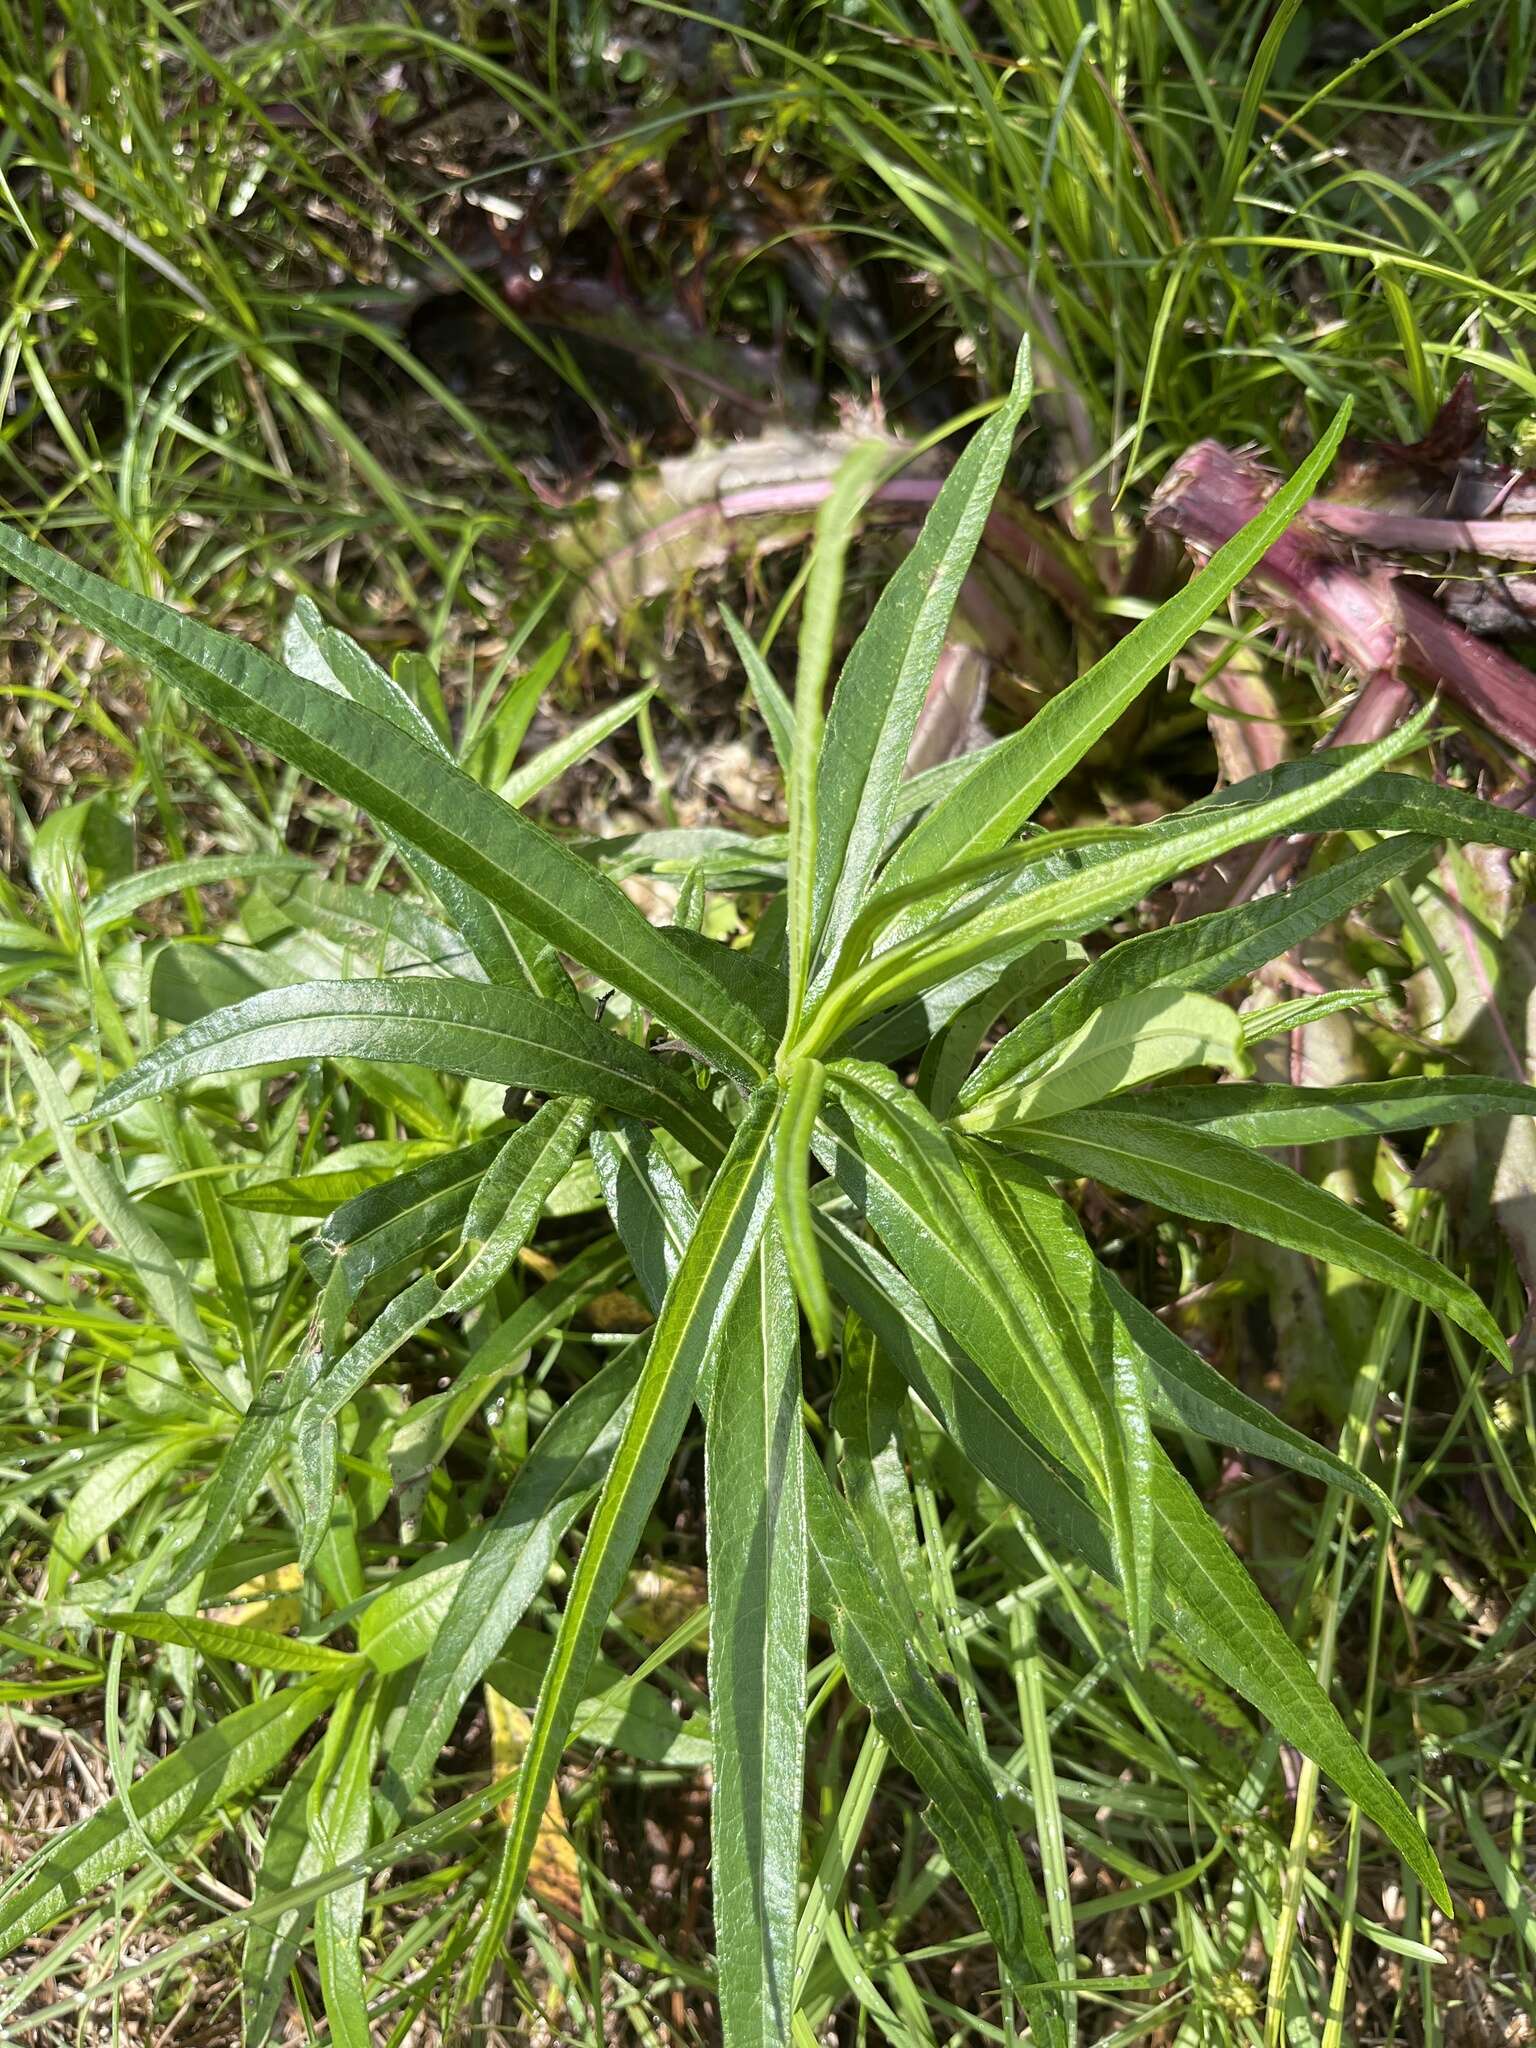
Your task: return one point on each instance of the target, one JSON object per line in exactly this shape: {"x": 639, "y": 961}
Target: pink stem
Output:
{"x": 1366, "y": 619}
{"x": 1512, "y": 540}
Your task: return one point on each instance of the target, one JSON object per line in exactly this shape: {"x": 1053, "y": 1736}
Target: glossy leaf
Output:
{"x": 755, "y": 1507}
{"x": 1201, "y": 1591}
{"x": 1126, "y": 1044}
{"x": 1207, "y": 953}
{"x": 260, "y": 1649}
{"x": 872, "y": 1467}
{"x": 1380, "y": 803}
{"x": 835, "y": 526}
{"x": 1198, "y": 1173}
{"x": 990, "y": 1255}
{"x": 506, "y": 1567}
{"x": 710, "y": 1273}
{"x": 459, "y": 1027}
{"x": 339, "y": 1816}
{"x": 646, "y": 1201}
{"x": 397, "y": 1221}
{"x": 1186, "y": 1393}
{"x": 875, "y": 1639}
{"x": 1257, "y": 1113}
{"x": 884, "y": 680}
{"x": 411, "y": 789}
{"x": 1076, "y": 902}
{"x": 1009, "y": 780}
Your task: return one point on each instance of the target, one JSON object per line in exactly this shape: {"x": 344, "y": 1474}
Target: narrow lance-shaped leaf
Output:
{"x": 646, "y": 1200}
{"x": 551, "y": 762}
{"x": 1186, "y": 1393}
{"x": 1206, "y": 954}
{"x": 703, "y": 1288}
{"x": 410, "y": 789}
{"x": 502, "y": 1217}
{"x": 459, "y": 1027}
{"x": 1200, "y": 1589}
{"x": 399, "y": 1220}
{"x": 261, "y": 1649}
{"x": 506, "y": 950}
{"x": 1055, "y": 1266}
{"x": 755, "y": 1515}
{"x": 118, "y": 901}
{"x": 291, "y": 1855}
{"x": 1196, "y": 1173}
{"x": 340, "y": 1816}
{"x": 876, "y": 1640}
{"x": 1259, "y": 1113}
{"x": 884, "y": 680}
{"x": 263, "y": 1430}
{"x": 1379, "y": 803}
{"x": 508, "y": 1203}
{"x": 949, "y": 1055}
{"x": 1139, "y": 1450}
{"x": 1008, "y": 781}
{"x": 866, "y": 1412}
{"x": 995, "y": 1252}
{"x": 507, "y": 1567}
{"x": 108, "y": 1490}
{"x": 835, "y": 525}
{"x": 1077, "y": 902}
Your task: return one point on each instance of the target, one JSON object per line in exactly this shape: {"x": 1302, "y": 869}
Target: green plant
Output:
{"x": 763, "y": 1156}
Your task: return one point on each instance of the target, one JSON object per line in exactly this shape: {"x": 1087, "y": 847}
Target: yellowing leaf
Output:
{"x": 271, "y": 1600}
{"x": 553, "y": 1871}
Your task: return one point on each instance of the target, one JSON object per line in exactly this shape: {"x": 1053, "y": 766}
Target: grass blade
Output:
{"x": 165, "y": 1284}
{"x": 212, "y": 1770}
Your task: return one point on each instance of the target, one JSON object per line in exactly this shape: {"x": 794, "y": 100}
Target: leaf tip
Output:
{"x": 1023, "y": 386}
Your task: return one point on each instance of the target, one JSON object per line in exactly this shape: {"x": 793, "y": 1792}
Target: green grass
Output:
{"x": 208, "y": 398}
